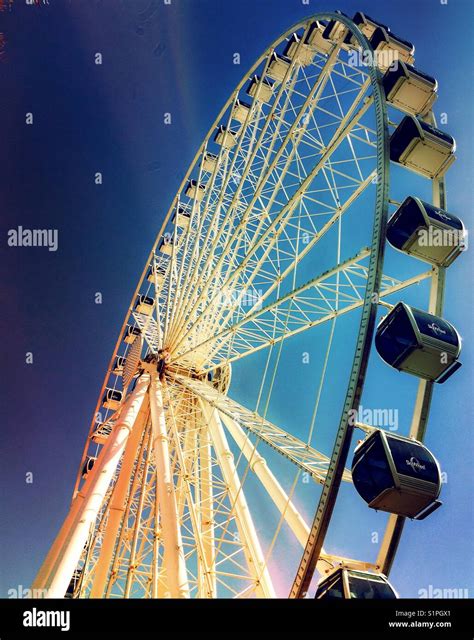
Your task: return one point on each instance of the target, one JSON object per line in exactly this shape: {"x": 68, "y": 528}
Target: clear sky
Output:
{"x": 87, "y": 118}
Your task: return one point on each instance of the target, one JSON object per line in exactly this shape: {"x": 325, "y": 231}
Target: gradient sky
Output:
{"x": 109, "y": 118}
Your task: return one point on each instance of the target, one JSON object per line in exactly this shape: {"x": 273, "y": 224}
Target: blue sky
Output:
{"x": 108, "y": 118}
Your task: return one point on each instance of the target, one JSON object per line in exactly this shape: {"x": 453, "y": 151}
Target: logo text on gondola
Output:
{"x": 21, "y": 237}
{"x": 415, "y": 464}
{"x": 436, "y": 329}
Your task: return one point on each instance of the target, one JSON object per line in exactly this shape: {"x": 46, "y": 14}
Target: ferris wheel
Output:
{"x": 215, "y": 460}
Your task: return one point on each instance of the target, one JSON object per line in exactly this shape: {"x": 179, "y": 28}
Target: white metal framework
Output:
{"x": 275, "y": 238}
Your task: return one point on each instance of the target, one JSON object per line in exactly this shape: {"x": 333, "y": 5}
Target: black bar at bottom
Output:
{"x": 230, "y": 618}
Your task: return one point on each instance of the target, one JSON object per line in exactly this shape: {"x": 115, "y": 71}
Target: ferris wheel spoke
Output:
{"x": 254, "y": 270}
{"x": 256, "y": 144}
{"x": 289, "y": 446}
{"x": 270, "y": 236}
{"x": 258, "y": 148}
{"x": 310, "y": 101}
{"x": 312, "y": 304}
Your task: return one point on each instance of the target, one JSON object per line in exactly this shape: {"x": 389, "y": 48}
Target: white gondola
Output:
{"x": 157, "y": 272}
{"x": 409, "y": 90}
{"x": 422, "y": 148}
{"x": 397, "y": 475}
{"x": 418, "y": 343}
{"x": 390, "y": 49}
{"x": 225, "y": 137}
{"x": 301, "y": 53}
{"x": 88, "y": 465}
{"x": 112, "y": 399}
{"x": 345, "y": 584}
{"x": 130, "y": 334}
{"x": 240, "y": 111}
{"x": 182, "y": 217}
{"x": 427, "y": 232}
{"x": 209, "y": 162}
{"x": 278, "y": 67}
{"x": 144, "y": 305}
{"x": 118, "y": 365}
{"x": 166, "y": 245}
{"x": 264, "y": 88}
{"x": 195, "y": 191}
{"x": 367, "y": 24}
{"x": 336, "y": 31}
{"x": 315, "y": 38}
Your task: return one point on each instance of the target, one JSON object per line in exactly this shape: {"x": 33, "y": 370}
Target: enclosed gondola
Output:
{"x": 396, "y": 474}
{"x": 264, "y": 88}
{"x": 419, "y": 343}
{"x": 209, "y": 162}
{"x": 422, "y": 148}
{"x": 88, "y": 465}
{"x": 390, "y": 49}
{"x": 182, "y": 217}
{"x": 225, "y": 137}
{"x": 427, "y": 232}
{"x": 112, "y": 399}
{"x": 166, "y": 245}
{"x": 336, "y": 31}
{"x": 298, "y": 51}
{"x": 367, "y": 24}
{"x": 241, "y": 111}
{"x": 118, "y": 365}
{"x": 144, "y": 305}
{"x": 195, "y": 191}
{"x": 345, "y": 583}
{"x": 131, "y": 333}
{"x": 315, "y": 39}
{"x": 409, "y": 90}
{"x": 157, "y": 272}
{"x": 278, "y": 67}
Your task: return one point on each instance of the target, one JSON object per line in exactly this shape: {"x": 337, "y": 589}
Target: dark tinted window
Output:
{"x": 331, "y": 590}
{"x": 404, "y": 223}
{"x": 370, "y": 589}
{"x": 396, "y": 339}
{"x": 371, "y": 473}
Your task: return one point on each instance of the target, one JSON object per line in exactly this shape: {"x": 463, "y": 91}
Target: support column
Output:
{"x": 173, "y": 554}
{"x": 73, "y": 535}
{"x": 117, "y": 505}
{"x": 276, "y": 492}
{"x": 207, "y": 510}
{"x": 248, "y": 535}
